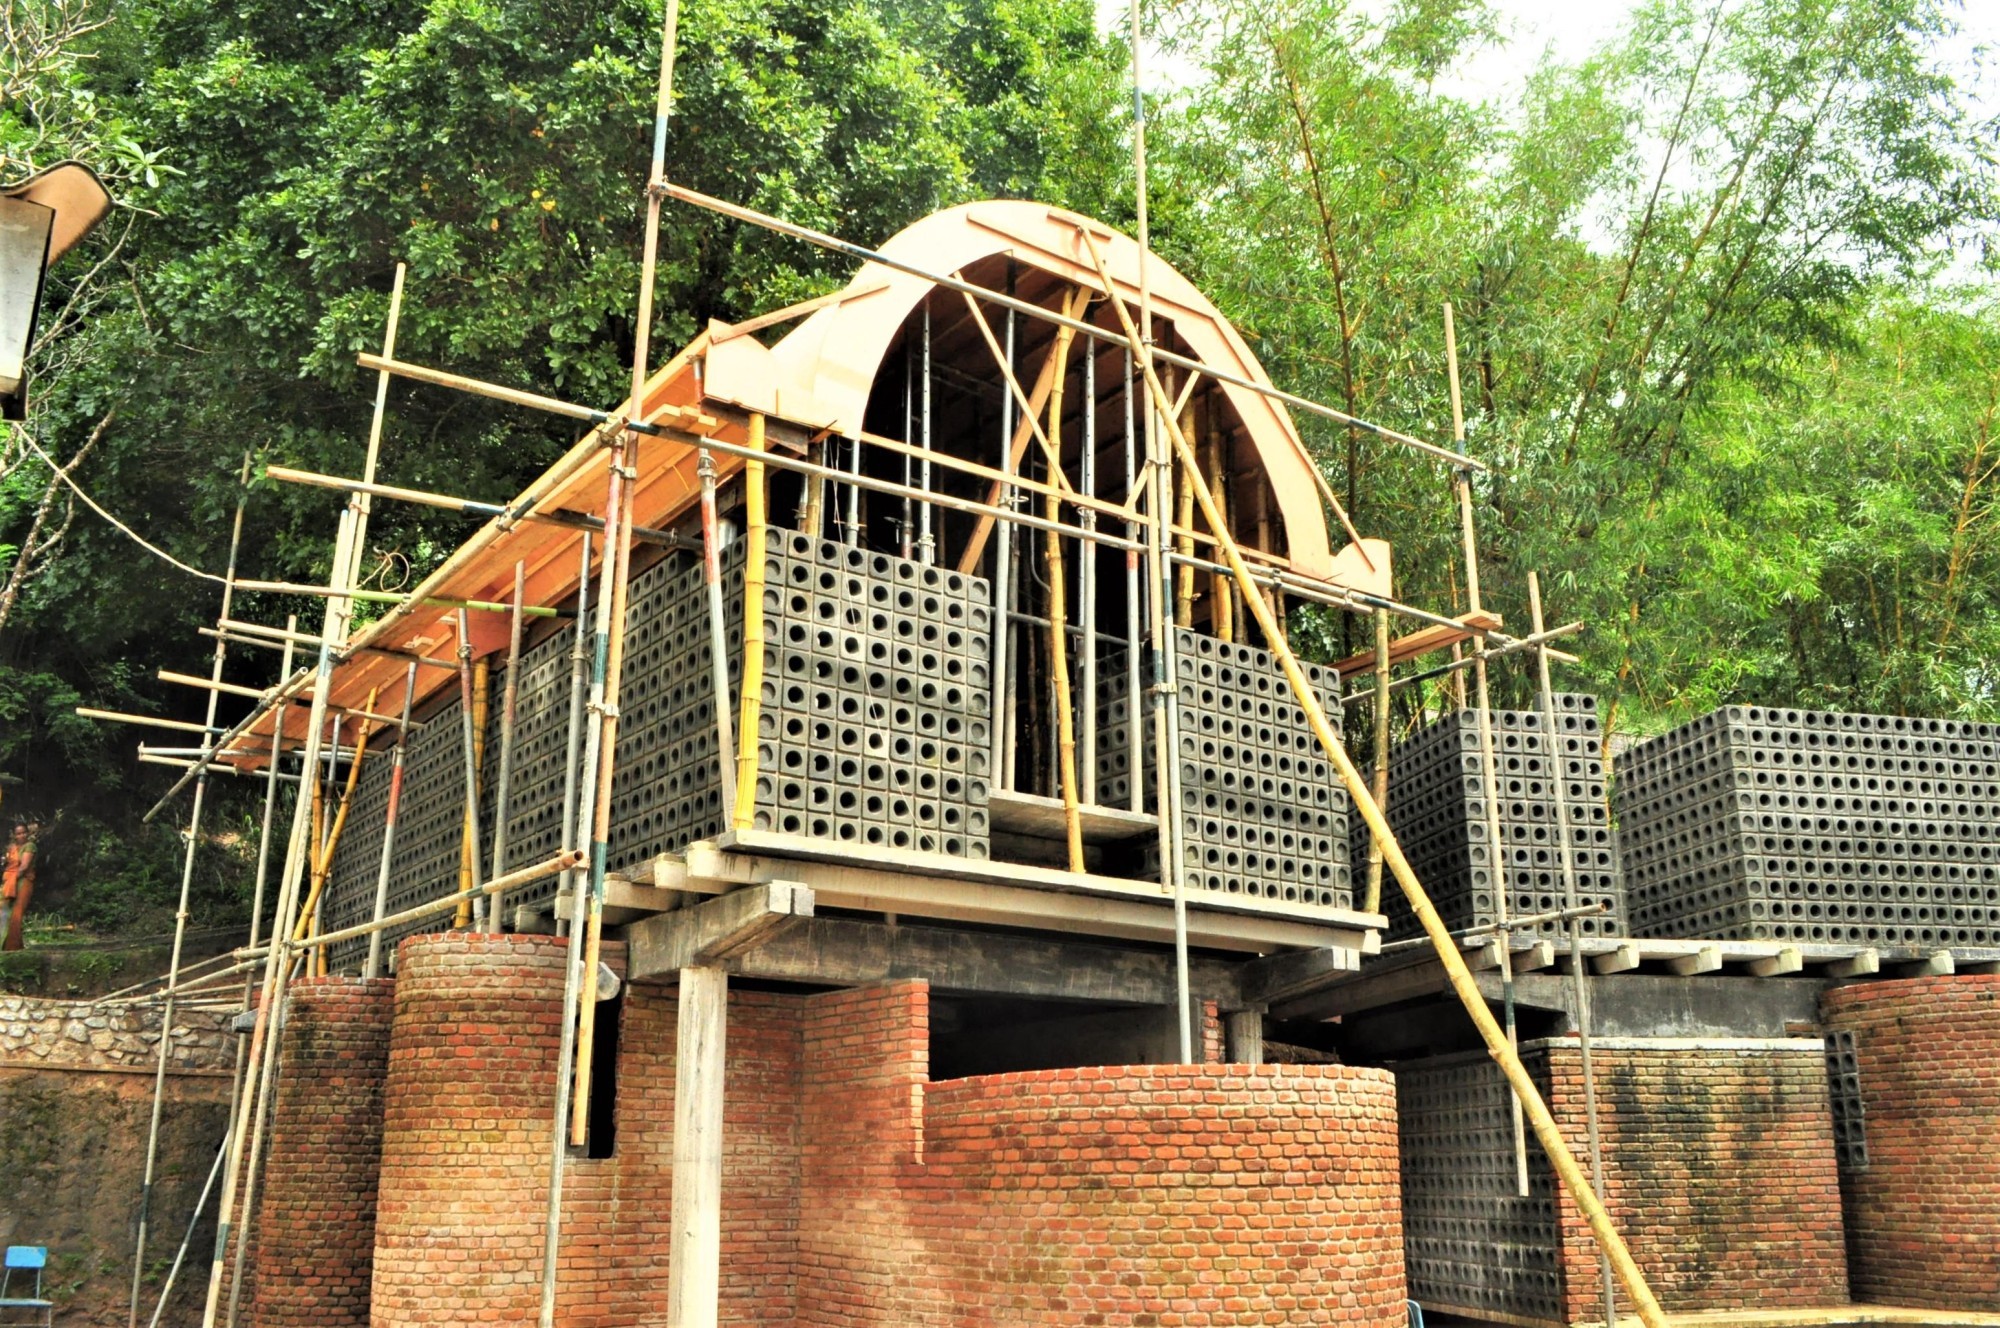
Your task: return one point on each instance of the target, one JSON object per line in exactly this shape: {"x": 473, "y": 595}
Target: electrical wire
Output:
{"x": 115, "y": 523}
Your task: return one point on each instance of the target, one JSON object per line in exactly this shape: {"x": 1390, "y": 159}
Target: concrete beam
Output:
{"x": 1295, "y": 973}
{"x": 714, "y": 930}
{"x": 847, "y": 952}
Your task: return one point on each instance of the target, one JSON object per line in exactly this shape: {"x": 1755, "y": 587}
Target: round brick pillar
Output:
{"x": 1923, "y": 1214}
{"x": 315, "y": 1231}
{"x": 466, "y": 1119}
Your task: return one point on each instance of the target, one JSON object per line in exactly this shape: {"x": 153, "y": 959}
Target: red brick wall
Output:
{"x": 315, "y": 1231}
{"x": 1720, "y": 1173}
{"x": 1924, "y": 1215}
{"x": 1128, "y": 1195}
{"x": 465, "y": 1161}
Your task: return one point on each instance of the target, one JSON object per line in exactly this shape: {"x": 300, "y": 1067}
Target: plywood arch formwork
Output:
{"x": 816, "y": 382}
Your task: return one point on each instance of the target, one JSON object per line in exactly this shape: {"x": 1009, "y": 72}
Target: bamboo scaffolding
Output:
{"x": 743, "y": 812}
{"x": 610, "y": 644}
{"x": 245, "y": 632}
{"x": 509, "y": 697}
{"x": 208, "y": 726}
{"x": 373, "y": 967}
{"x": 466, "y": 506}
{"x": 561, "y": 862}
{"x": 1579, "y": 984}
{"x": 718, "y": 639}
{"x": 1059, "y": 622}
{"x": 1489, "y": 774}
{"x": 1371, "y": 900}
{"x": 1456, "y": 971}
{"x": 180, "y": 1255}
{"x": 575, "y": 885}
{"x": 469, "y": 741}
{"x": 1458, "y": 666}
{"x": 386, "y": 597}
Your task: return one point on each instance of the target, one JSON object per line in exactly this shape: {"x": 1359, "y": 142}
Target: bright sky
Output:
{"x": 1571, "y": 29}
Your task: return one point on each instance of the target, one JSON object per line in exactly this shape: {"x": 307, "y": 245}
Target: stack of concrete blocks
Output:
{"x": 1753, "y": 823}
{"x": 1262, "y": 811}
{"x": 1438, "y": 810}
{"x": 874, "y": 727}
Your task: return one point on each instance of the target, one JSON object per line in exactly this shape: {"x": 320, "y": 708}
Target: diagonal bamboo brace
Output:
{"x": 1565, "y": 1163}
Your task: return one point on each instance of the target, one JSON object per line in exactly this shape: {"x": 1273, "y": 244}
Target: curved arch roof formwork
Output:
{"x": 838, "y": 352}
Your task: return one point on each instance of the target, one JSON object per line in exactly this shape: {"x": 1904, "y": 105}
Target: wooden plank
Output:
{"x": 1423, "y": 642}
{"x": 1787, "y": 960}
{"x": 1042, "y": 818}
{"x": 716, "y": 929}
{"x": 694, "y": 1246}
{"x": 1705, "y": 960}
{"x": 1623, "y": 959}
{"x": 1865, "y": 964}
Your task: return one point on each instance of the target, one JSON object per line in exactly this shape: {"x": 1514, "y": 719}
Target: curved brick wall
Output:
{"x": 1923, "y": 1218}
{"x": 316, "y": 1208}
{"x": 467, "y": 1112}
{"x": 1223, "y": 1195}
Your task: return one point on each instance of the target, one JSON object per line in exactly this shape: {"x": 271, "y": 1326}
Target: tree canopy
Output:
{"x": 1725, "y": 325}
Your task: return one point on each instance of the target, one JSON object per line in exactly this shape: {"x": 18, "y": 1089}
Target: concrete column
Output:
{"x": 694, "y": 1265}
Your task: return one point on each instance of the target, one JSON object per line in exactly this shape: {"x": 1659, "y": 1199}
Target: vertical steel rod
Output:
{"x": 181, "y": 909}
{"x": 906, "y": 532}
{"x": 469, "y": 871}
{"x": 575, "y": 884}
{"x": 373, "y": 967}
{"x": 509, "y": 695}
{"x": 926, "y": 542}
{"x": 1003, "y": 595}
{"x": 1579, "y": 983}
{"x": 241, "y": 1082}
{"x": 1134, "y": 695}
{"x": 853, "y": 532}
{"x": 1086, "y": 575}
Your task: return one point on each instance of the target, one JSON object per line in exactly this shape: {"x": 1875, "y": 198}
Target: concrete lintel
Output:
{"x": 715, "y": 930}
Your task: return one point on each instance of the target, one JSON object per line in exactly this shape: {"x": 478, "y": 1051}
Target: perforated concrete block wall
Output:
{"x": 1802, "y": 825}
{"x": 1437, "y": 808}
{"x": 1719, "y": 1171}
{"x": 1262, "y": 812}
{"x": 874, "y": 728}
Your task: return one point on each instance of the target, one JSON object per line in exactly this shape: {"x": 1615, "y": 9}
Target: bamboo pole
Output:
{"x": 1513, "y": 647}
{"x": 180, "y": 1255}
{"x": 743, "y": 815}
{"x": 1579, "y": 984}
{"x": 417, "y": 913}
{"x": 360, "y": 499}
{"x": 575, "y": 884}
{"x": 322, "y": 864}
{"x": 607, "y": 423}
{"x": 510, "y": 694}
{"x": 373, "y": 967}
{"x": 1184, "y": 520}
{"x": 618, "y": 551}
{"x": 1220, "y": 619}
{"x": 1489, "y": 778}
{"x": 1372, "y": 901}
{"x": 1014, "y": 449}
{"x": 208, "y": 726}
{"x": 386, "y": 597}
{"x": 145, "y": 721}
{"x": 718, "y": 638}
{"x": 1086, "y": 579}
{"x": 1059, "y": 622}
{"x": 464, "y": 506}
{"x": 1456, "y": 971}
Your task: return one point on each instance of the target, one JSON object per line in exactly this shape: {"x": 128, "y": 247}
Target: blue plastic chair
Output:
{"x": 24, "y": 1259}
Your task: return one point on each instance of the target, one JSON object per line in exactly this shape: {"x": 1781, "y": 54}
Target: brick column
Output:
{"x": 466, "y": 1120}
{"x": 315, "y": 1239}
{"x": 1923, "y": 1216}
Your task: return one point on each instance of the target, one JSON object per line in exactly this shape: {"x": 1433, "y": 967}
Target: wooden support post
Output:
{"x": 1245, "y": 1029}
{"x": 694, "y": 1257}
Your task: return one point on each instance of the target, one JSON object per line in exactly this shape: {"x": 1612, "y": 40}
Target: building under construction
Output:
{"x": 851, "y": 845}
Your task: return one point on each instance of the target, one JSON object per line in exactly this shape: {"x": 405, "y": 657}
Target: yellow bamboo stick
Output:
{"x": 755, "y": 518}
